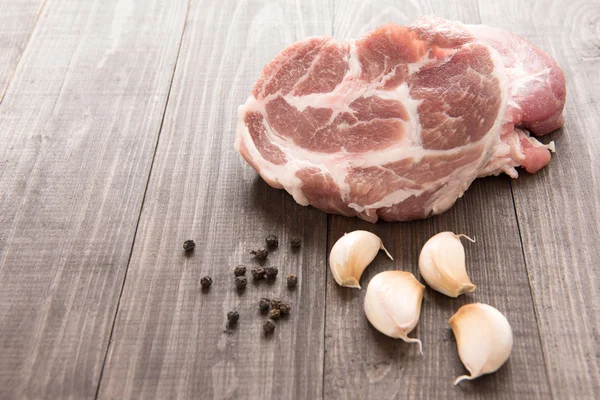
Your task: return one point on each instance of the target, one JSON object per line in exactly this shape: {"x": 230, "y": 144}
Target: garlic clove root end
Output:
{"x": 386, "y": 252}
{"x": 350, "y": 283}
{"x": 467, "y": 288}
{"x": 414, "y": 340}
{"x": 463, "y": 378}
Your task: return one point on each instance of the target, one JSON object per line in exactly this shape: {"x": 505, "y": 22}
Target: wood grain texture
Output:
{"x": 362, "y": 363}
{"x": 169, "y": 339}
{"x": 17, "y": 19}
{"x": 78, "y": 128}
{"x": 559, "y": 208}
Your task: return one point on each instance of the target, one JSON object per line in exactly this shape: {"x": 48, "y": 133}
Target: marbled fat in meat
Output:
{"x": 397, "y": 123}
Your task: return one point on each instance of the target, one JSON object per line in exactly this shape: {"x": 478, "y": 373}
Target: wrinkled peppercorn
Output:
{"x": 241, "y": 282}
{"x": 233, "y": 317}
{"x": 205, "y": 282}
{"x": 260, "y": 254}
{"x": 296, "y": 242}
{"x": 271, "y": 272}
{"x": 239, "y": 270}
{"x": 275, "y": 303}
{"x": 272, "y": 241}
{"x": 269, "y": 326}
{"x": 292, "y": 280}
{"x": 285, "y": 308}
{"x": 264, "y": 304}
{"x": 189, "y": 245}
{"x": 274, "y": 313}
{"x": 258, "y": 273}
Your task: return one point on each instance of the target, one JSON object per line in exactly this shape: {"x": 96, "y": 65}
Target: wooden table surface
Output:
{"x": 117, "y": 122}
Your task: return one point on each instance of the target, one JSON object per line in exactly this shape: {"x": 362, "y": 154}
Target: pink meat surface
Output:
{"x": 398, "y": 123}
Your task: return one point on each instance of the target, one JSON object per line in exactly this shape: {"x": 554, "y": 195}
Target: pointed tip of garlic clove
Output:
{"x": 413, "y": 340}
{"x": 463, "y": 378}
{"x": 466, "y": 288}
{"x": 462, "y": 235}
{"x": 386, "y": 252}
{"x": 350, "y": 283}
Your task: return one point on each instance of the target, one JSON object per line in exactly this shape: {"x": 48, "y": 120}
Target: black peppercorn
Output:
{"x": 274, "y": 313}
{"x": 272, "y": 241}
{"x": 275, "y": 303}
{"x": 233, "y": 317}
{"x": 292, "y": 280}
{"x": 269, "y": 326}
{"x": 285, "y": 308}
{"x": 239, "y": 270}
{"x": 258, "y": 273}
{"x": 264, "y": 304}
{"x": 241, "y": 282}
{"x": 260, "y": 254}
{"x": 296, "y": 241}
{"x": 205, "y": 282}
{"x": 189, "y": 245}
{"x": 271, "y": 272}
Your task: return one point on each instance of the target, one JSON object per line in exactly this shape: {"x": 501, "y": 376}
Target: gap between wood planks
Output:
{"x": 137, "y": 224}
{"x": 533, "y": 300}
{"x": 12, "y": 73}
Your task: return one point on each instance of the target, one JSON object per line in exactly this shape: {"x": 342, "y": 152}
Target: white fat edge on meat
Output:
{"x": 501, "y": 152}
{"x": 447, "y": 188}
{"x": 387, "y": 201}
{"x": 297, "y": 157}
{"x": 493, "y": 136}
{"x": 508, "y": 159}
{"x": 276, "y": 175}
{"x": 338, "y": 100}
{"x": 510, "y": 154}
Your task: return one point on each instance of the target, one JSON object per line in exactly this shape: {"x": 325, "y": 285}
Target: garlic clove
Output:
{"x": 484, "y": 339}
{"x": 393, "y": 304}
{"x": 351, "y": 254}
{"x": 442, "y": 264}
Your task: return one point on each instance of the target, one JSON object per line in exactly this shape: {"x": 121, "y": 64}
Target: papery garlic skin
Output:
{"x": 442, "y": 264}
{"x": 393, "y": 304}
{"x": 484, "y": 339}
{"x": 351, "y": 254}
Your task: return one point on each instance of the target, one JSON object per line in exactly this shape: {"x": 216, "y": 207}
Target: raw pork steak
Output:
{"x": 398, "y": 123}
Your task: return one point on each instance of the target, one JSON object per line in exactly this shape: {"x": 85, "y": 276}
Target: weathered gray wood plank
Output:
{"x": 17, "y": 19}
{"x": 362, "y": 363}
{"x": 559, "y": 208}
{"x": 168, "y": 340}
{"x": 78, "y": 129}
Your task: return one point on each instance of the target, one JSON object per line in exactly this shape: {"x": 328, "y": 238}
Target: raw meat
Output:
{"x": 398, "y": 123}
